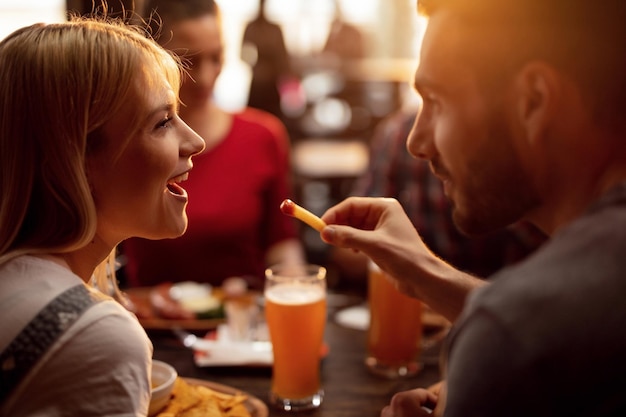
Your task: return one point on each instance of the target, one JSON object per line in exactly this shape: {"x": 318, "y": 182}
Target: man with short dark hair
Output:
{"x": 522, "y": 120}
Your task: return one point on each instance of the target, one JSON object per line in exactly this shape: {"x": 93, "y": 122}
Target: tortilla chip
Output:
{"x": 238, "y": 410}
{"x": 200, "y": 401}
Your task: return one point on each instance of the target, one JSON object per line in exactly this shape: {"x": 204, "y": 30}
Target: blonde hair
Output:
{"x": 60, "y": 84}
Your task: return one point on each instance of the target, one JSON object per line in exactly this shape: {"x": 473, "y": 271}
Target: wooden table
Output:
{"x": 350, "y": 390}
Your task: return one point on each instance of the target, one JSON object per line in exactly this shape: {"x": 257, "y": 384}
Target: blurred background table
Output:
{"x": 350, "y": 390}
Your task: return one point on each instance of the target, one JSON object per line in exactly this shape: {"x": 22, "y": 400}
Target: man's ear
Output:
{"x": 538, "y": 89}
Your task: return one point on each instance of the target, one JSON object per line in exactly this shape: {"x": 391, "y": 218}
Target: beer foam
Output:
{"x": 294, "y": 294}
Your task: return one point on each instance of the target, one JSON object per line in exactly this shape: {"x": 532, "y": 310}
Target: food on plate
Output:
{"x": 290, "y": 208}
{"x": 190, "y": 400}
{"x": 189, "y": 303}
{"x": 185, "y": 301}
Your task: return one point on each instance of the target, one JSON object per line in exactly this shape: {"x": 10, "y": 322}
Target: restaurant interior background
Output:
{"x": 331, "y": 99}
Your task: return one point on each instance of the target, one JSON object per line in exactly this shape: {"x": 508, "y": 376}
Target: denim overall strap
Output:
{"x": 39, "y": 334}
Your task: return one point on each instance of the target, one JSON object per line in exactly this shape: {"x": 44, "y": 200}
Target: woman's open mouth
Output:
{"x": 174, "y": 188}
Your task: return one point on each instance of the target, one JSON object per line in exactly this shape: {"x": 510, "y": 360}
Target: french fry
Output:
{"x": 290, "y": 208}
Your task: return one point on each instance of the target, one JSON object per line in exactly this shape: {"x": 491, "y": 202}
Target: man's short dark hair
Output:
{"x": 581, "y": 38}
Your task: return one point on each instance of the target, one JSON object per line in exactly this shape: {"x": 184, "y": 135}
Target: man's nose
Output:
{"x": 419, "y": 142}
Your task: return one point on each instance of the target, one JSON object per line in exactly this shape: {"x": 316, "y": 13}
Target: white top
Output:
{"x": 100, "y": 366}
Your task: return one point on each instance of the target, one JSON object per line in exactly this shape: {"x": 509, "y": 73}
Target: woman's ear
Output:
{"x": 538, "y": 89}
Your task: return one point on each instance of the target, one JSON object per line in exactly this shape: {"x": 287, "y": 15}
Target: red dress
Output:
{"x": 235, "y": 190}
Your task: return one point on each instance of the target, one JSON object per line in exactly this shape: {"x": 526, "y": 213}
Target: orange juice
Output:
{"x": 395, "y": 331}
{"x": 296, "y": 316}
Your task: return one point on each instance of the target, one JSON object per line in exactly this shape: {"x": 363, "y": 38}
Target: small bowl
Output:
{"x": 163, "y": 377}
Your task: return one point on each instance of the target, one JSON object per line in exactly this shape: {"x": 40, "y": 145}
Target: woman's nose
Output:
{"x": 191, "y": 143}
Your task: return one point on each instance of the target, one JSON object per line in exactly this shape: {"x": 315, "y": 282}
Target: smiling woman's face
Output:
{"x": 135, "y": 179}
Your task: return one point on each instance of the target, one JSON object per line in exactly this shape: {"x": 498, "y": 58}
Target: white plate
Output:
{"x": 357, "y": 317}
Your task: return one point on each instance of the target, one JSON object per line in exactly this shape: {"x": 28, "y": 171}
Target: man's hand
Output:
{"x": 380, "y": 228}
{"x": 417, "y": 402}
{"x": 413, "y": 403}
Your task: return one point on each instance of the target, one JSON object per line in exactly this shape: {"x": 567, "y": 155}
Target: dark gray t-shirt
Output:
{"x": 548, "y": 336}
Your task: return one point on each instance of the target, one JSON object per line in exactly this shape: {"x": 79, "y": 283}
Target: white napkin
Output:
{"x": 227, "y": 352}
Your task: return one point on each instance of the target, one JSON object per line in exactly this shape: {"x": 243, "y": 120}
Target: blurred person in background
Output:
{"x": 129, "y": 10}
{"x": 235, "y": 226}
{"x": 522, "y": 121}
{"x": 345, "y": 40}
{"x": 265, "y": 51}
{"x": 394, "y": 172}
{"x": 340, "y": 58}
{"x": 86, "y": 163}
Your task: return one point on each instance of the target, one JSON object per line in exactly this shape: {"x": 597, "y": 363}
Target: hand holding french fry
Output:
{"x": 290, "y": 208}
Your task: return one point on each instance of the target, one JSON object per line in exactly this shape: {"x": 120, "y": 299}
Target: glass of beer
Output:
{"x": 295, "y": 311}
{"x": 395, "y": 331}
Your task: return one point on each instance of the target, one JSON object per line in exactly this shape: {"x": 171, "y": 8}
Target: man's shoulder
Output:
{"x": 576, "y": 277}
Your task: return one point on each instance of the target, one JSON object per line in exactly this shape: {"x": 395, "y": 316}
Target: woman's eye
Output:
{"x": 165, "y": 122}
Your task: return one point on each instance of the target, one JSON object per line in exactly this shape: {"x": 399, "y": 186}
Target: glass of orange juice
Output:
{"x": 295, "y": 311}
{"x": 395, "y": 331}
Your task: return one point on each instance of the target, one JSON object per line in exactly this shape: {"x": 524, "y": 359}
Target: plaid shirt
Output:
{"x": 393, "y": 172}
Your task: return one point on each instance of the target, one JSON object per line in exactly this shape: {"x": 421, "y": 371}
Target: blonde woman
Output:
{"x": 235, "y": 225}
{"x": 93, "y": 152}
